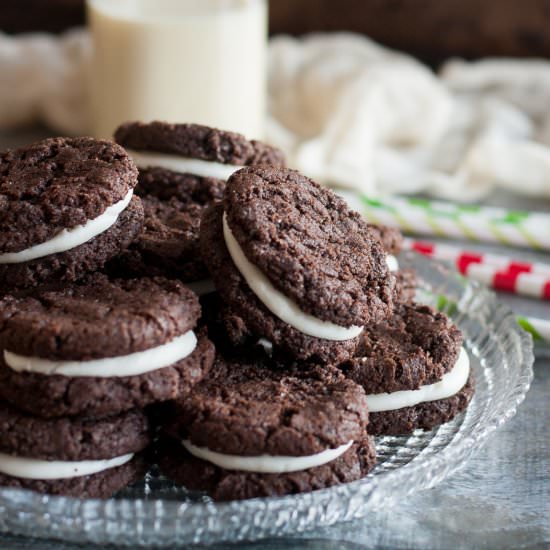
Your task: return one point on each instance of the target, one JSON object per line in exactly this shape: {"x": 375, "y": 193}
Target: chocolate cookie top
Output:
{"x": 309, "y": 244}
{"x": 415, "y": 347}
{"x": 247, "y": 407}
{"x": 72, "y": 438}
{"x": 57, "y": 184}
{"x": 97, "y": 318}
{"x": 196, "y": 141}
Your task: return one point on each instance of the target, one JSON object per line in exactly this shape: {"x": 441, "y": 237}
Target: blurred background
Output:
{"x": 443, "y": 98}
{"x": 429, "y": 29}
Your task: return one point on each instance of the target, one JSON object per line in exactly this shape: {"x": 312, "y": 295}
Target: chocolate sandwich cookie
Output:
{"x": 66, "y": 207}
{"x": 183, "y": 169}
{"x": 414, "y": 370}
{"x": 99, "y": 347}
{"x": 298, "y": 266}
{"x": 229, "y": 331}
{"x": 254, "y": 429}
{"x": 223, "y": 484}
{"x": 79, "y": 457}
{"x": 243, "y": 319}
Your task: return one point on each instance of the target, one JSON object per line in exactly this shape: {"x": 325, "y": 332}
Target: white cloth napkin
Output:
{"x": 43, "y": 79}
{"x": 346, "y": 111}
{"x": 351, "y": 113}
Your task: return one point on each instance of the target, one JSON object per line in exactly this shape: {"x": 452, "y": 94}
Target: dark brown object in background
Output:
{"x": 18, "y": 16}
{"x": 430, "y": 29}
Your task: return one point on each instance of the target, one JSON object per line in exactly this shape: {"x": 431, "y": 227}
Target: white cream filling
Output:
{"x": 391, "y": 261}
{"x": 70, "y": 238}
{"x": 450, "y": 384}
{"x": 281, "y": 306}
{"x": 183, "y": 165}
{"x": 133, "y": 364}
{"x": 34, "y": 468}
{"x": 266, "y": 464}
{"x": 205, "y": 286}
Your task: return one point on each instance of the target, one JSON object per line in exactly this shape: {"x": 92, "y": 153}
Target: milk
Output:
{"x": 200, "y": 61}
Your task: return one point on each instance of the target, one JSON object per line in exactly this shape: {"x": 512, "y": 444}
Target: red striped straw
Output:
{"x": 499, "y": 272}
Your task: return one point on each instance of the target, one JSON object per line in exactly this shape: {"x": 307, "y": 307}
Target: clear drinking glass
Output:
{"x": 200, "y": 61}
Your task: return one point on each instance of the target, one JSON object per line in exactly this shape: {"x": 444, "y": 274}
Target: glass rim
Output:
{"x": 121, "y": 10}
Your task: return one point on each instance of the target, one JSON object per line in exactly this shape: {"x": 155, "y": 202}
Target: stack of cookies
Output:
{"x": 66, "y": 208}
{"x": 315, "y": 328}
{"x": 82, "y": 355}
{"x": 79, "y": 364}
{"x": 96, "y": 325}
{"x": 182, "y": 170}
{"x": 308, "y": 343}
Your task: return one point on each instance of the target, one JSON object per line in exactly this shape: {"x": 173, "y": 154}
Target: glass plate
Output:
{"x": 157, "y": 512}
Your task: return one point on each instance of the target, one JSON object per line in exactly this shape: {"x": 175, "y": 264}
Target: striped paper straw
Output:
{"x": 464, "y": 257}
{"x": 503, "y": 274}
{"x": 445, "y": 219}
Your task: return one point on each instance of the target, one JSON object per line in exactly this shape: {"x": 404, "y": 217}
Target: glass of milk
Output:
{"x": 201, "y": 61}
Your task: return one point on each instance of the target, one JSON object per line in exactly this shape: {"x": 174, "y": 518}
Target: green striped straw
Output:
{"x": 445, "y": 219}
{"x": 538, "y": 328}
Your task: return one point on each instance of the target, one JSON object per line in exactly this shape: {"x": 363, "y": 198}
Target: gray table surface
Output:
{"x": 499, "y": 499}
